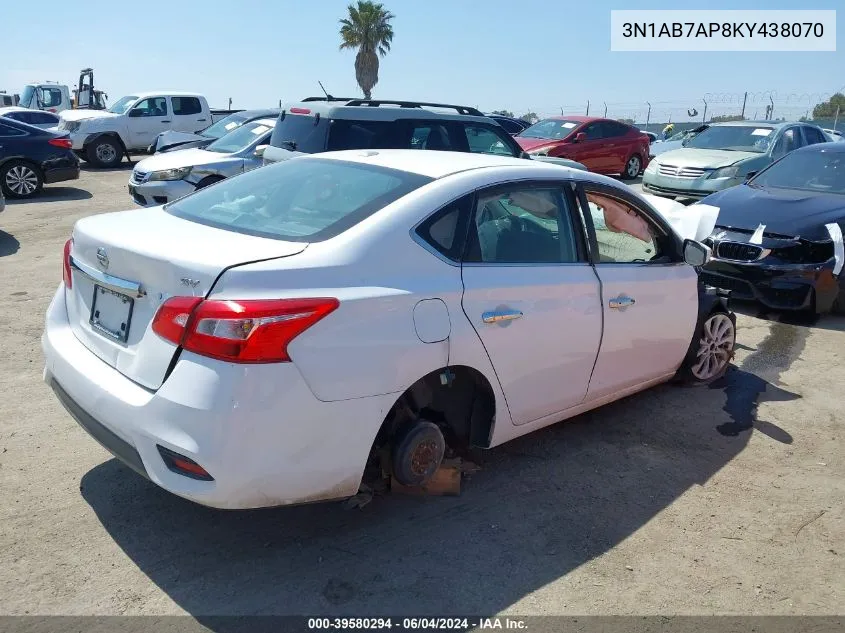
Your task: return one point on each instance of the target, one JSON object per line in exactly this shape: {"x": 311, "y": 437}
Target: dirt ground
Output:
{"x": 722, "y": 500}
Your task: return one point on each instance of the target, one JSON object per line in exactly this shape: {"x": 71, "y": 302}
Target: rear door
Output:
{"x": 532, "y": 297}
{"x": 188, "y": 115}
{"x": 649, "y": 295}
{"x": 619, "y": 145}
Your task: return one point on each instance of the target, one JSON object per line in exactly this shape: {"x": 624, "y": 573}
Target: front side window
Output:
{"x": 594, "y": 131}
{"x": 186, "y": 105}
{"x": 524, "y": 225}
{"x": 484, "y": 140}
{"x": 154, "y": 106}
{"x": 51, "y": 97}
{"x": 622, "y": 233}
{"x": 300, "y": 200}
{"x": 790, "y": 140}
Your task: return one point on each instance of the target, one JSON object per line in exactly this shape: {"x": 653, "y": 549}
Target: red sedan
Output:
{"x": 602, "y": 145}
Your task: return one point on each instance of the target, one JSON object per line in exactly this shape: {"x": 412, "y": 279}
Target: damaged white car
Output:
{"x": 277, "y": 337}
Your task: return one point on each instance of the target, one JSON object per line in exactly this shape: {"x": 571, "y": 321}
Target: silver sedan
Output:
{"x": 165, "y": 177}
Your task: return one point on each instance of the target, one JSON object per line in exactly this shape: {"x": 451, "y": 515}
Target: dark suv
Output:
{"x": 320, "y": 124}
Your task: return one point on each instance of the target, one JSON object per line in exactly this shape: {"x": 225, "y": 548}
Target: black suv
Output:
{"x": 321, "y": 124}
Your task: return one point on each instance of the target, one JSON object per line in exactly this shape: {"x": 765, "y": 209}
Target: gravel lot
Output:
{"x": 724, "y": 500}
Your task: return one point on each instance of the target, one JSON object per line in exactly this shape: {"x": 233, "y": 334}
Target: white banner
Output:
{"x": 723, "y": 30}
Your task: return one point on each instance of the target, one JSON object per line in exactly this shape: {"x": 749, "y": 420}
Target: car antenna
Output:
{"x": 328, "y": 96}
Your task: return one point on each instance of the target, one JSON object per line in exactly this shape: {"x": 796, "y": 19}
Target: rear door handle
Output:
{"x": 495, "y": 316}
{"x": 165, "y": 121}
{"x": 621, "y": 302}
{"x": 201, "y": 120}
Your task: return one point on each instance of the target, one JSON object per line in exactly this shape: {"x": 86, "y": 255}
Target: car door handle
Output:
{"x": 495, "y": 316}
{"x": 201, "y": 120}
{"x": 621, "y": 302}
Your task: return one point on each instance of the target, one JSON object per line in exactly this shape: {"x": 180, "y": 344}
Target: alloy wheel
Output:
{"x": 715, "y": 347}
{"x": 21, "y": 180}
{"x": 634, "y": 166}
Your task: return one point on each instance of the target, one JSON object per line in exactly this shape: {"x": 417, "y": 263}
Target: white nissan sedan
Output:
{"x": 274, "y": 338}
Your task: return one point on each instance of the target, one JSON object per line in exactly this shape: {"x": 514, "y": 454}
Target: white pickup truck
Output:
{"x": 103, "y": 137}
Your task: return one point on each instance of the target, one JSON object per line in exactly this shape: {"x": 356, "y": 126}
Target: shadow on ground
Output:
{"x": 541, "y": 506}
{"x": 9, "y": 244}
{"x": 123, "y": 166}
{"x": 54, "y": 194}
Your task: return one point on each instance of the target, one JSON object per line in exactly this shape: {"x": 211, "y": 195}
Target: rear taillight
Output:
{"x": 248, "y": 331}
{"x": 64, "y": 143}
{"x": 67, "y": 276}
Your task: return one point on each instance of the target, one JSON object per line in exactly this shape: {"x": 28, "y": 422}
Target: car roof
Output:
{"x": 383, "y": 110}
{"x": 258, "y": 114}
{"x": 164, "y": 93}
{"x": 437, "y": 164}
{"x": 772, "y": 124}
{"x": 574, "y": 117}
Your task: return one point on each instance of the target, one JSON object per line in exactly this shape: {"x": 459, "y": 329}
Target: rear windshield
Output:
{"x": 300, "y": 133}
{"x": 302, "y": 200}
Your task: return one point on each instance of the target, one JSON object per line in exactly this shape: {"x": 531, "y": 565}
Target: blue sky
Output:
{"x": 537, "y": 55}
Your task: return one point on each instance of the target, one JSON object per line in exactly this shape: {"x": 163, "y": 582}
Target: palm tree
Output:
{"x": 368, "y": 29}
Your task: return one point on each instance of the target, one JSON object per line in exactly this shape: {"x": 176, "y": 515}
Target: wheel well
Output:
{"x": 111, "y": 135}
{"x": 459, "y": 399}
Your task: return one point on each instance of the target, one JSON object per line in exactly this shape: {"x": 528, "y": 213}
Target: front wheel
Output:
{"x": 632, "y": 168}
{"x": 20, "y": 179}
{"x": 105, "y": 152}
{"x": 710, "y": 357}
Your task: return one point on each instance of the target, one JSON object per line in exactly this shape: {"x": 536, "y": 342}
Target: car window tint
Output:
{"x": 484, "y": 140}
{"x": 432, "y": 136}
{"x": 302, "y": 200}
{"x": 523, "y": 225}
{"x": 510, "y": 127}
{"x": 42, "y": 118}
{"x": 813, "y": 135}
{"x": 594, "y": 131}
{"x": 153, "y": 106}
{"x": 346, "y": 134}
{"x": 612, "y": 129}
{"x": 186, "y": 105}
{"x": 623, "y": 235}
{"x": 441, "y": 230}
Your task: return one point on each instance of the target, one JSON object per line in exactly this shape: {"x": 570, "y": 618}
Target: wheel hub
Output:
{"x": 21, "y": 180}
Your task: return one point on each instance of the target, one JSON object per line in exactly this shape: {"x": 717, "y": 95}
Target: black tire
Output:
{"x": 690, "y": 373}
{"x": 417, "y": 453}
{"x": 20, "y": 179}
{"x": 633, "y": 167}
{"x": 838, "y": 306}
{"x": 208, "y": 180}
{"x": 105, "y": 151}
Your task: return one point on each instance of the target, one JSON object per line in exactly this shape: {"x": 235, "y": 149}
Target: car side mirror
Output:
{"x": 750, "y": 175}
{"x": 525, "y": 155}
{"x": 696, "y": 254}
{"x": 259, "y": 151}
{"x": 580, "y": 137}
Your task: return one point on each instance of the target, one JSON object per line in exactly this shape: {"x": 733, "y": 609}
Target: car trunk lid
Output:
{"x": 125, "y": 265}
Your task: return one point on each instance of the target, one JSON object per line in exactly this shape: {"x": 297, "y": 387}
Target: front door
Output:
{"x": 591, "y": 152}
{"x": 649, "y": 295}
{"x": 149, "y": 118}
{"x": 532, "y": 297}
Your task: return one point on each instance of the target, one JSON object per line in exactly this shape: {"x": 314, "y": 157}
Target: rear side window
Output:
{"x": 8, "y": 130}
{"x": 300, "y": 133}
{"x": 301, "y": 200}
{"x": 186, "y": 105}
{"x": 612, "y": 128}
{"x": 433, "y": 136}
{"x": 813, "y": 135}
{"x": 346, "y": 134}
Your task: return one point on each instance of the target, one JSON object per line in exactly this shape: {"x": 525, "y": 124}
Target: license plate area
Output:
{"x": 111, "y": 313}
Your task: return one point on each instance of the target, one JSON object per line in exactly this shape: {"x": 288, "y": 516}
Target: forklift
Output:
{"x": 85, "y": 97}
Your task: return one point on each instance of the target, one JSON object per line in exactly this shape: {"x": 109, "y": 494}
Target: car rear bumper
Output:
{"x": 258, "y": 430}
{"x": 798, "y": 287}
{"x": 150, "y": 194}
{"x": 60, "y": 174}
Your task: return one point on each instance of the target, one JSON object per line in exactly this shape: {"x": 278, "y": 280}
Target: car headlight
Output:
{"x": 177, "y": 173}
{"x": 541, "y": 151}
{"x": 652, "y": 167}
{"x": 726, "y": 172}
